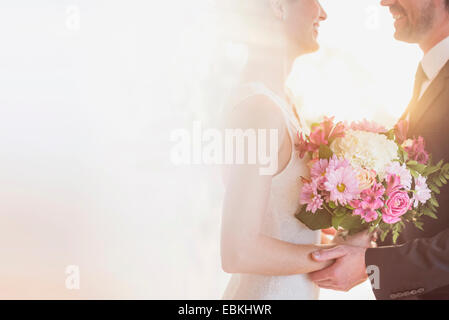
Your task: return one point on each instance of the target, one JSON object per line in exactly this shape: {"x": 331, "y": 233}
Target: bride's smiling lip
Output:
{"x": 316, "y": 27}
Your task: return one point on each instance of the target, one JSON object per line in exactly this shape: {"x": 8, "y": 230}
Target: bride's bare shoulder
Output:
{"x": 258, "y": 112}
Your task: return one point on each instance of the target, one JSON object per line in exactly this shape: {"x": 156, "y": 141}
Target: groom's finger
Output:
{"x": 329, "y": 254}
{"x": 322, "y": 275}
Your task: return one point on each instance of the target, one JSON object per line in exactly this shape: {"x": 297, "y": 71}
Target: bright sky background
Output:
{"x": 92, "y": 89}
{"x": 361, "y": 71}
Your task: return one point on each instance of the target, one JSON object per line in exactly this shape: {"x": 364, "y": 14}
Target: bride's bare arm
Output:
{"x": 244, "y": 248}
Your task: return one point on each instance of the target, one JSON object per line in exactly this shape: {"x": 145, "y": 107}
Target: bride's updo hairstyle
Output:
{"x": 253, "y": 22}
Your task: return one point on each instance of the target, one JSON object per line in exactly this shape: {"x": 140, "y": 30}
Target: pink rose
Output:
{"x": 397, "y": 205}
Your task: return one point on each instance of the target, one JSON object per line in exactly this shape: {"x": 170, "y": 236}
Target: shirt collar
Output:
{"x": 435, "y": 59}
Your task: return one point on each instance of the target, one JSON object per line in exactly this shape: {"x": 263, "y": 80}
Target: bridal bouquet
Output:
{"x": 363, "y": 177}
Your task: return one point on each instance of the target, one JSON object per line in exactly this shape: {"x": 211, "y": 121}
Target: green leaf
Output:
{"x": 429, "y": 213}
{"x": 432, "y": 207}
{"x": 325, "y": 152}
{"x": 430, "y": 170}
{"x": 434, "y": 202}
{"x": 340, "y": 211}
{"x": 336, "y": 220}
{"x": 353, "y": 224}
{"x": 437, "y": 181}
{"x": 372, "y": 228}
{"x": 434, "y": 188}
{"x": 395, "y": 236}
{"x": 383, "y": 235}
{"x": 412, "y": 163}
{"x": 420, "y": 168}
{"x": 332, "y": 205}
{"x": 404, "y": 154}
{"x": 314, "y": 221}
{"x": 419, "y": 225}
{"x": 390, "y": 134}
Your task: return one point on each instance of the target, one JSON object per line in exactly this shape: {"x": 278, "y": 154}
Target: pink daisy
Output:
{"x": 342, "y": 185}
{"x": 335, "y": 163}
{"x": 310, "y": 196}
{"x": 319, "y": 168}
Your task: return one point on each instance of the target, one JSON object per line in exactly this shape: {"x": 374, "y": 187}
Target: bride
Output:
{"x": 267, "y": 250}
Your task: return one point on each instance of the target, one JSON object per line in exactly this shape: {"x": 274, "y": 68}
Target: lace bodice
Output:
{"x": 280, "y": 223}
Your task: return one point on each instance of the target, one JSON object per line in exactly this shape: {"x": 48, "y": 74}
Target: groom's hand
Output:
{"x": 346, "y": 272}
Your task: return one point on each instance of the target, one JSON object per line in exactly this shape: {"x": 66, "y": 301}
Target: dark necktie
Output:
{"x": 420, "y": 78}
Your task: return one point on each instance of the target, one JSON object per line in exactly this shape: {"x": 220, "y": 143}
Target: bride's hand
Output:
{"x": 363, "y": 239}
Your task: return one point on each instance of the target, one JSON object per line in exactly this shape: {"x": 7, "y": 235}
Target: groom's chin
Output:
{"x": 400, "y": 36}
{"x": 404, "y": 35}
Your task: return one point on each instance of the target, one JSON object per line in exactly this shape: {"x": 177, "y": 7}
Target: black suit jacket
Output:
{"x": 419, "y": 267}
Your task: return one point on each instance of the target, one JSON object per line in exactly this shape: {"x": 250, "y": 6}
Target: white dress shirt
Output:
{"x": 433, "y": 62}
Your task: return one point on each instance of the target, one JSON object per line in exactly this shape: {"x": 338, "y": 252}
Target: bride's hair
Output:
{"x": 250, "y": 21}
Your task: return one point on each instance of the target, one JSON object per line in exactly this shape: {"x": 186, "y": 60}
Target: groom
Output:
{"x": 419, "y": 267}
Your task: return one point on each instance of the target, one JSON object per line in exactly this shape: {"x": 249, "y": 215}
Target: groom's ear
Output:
{"x": 278, "y": 9}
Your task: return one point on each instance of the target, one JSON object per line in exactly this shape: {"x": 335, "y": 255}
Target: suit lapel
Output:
{"x": 432, "y": 92}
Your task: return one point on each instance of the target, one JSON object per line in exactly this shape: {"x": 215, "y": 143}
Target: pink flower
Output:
{"x": 366, "y": 178}
{"x": 371, "y": 200}
{"x": 303, "y": 146}
{"x": 416, "y": 150}
{"x": 398, "y": 202}
{"x": 318, "y": 172}
{"x": 338, "y": 131}
{"x": 335, "y": 163}
{"x": 342, "y": 185}
{"x": 368, "y": 126}
{"x": 310, "y": 196}
{"x": 393, "y": 183}
{"x": 374, "y": 195}
{"x": 401, "y": 131}
{"x": 395, "y": 168}
{"x": 422, "y": 192}
{"x": 318, "y": 136}
{"x": 321, "y": 134}
{"x": 319, "y": 168}
{"x": 365, "y": 210}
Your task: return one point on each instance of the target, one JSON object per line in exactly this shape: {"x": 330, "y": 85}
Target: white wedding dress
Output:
{"x": 279, "y": 221}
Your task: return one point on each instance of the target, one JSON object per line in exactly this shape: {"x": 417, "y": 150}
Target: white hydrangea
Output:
{"x": 367, "y": 150}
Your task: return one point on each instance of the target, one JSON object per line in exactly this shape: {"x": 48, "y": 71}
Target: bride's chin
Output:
{"x": 313, "y": 47}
